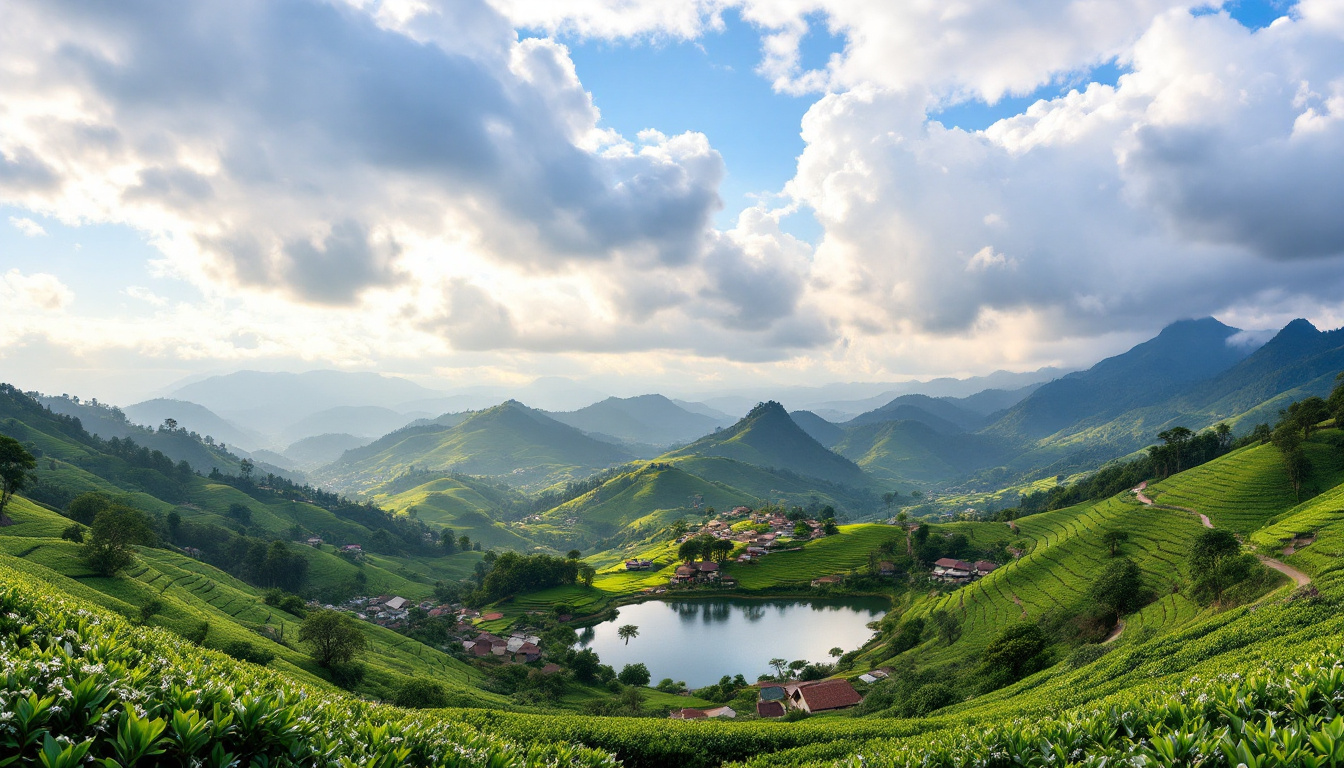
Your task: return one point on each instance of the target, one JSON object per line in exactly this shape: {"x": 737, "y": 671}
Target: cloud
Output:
{"x": 36, "y": 291}
{"x": 27, "y": 226}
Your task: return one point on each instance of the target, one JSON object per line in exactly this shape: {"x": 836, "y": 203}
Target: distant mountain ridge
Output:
{"x": 652, "y": 419}
{"x": 520, "y": 445}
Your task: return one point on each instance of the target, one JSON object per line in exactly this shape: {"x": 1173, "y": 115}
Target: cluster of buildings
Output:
{"x": 776, "y": 699}
{"x": 394, "y": 612}
{"x": 518, "y": 648}
{"x": 955, "y": 571}
{"x": 703, "y": 572}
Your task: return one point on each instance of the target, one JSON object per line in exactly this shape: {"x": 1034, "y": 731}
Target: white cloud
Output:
{"x": 36, "y": 291}
{"x": 27, "y": 226}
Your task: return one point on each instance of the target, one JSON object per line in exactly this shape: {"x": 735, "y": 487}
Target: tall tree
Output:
{"x": 627, "y": 632}
{"x": 1118, "y": 588}
{"x": 15, "y": 464}
{"x": 1113, "y": 540}
{"x": 115, "y": 531}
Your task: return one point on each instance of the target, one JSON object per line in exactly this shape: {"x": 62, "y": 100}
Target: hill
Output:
{"x": 318, "y": 450}
{"x": 915, "y": 452}
{"x": 821, "y": 430}
{"x": 193, "y": 418}
{"x": 768, "y": 437}
{"x": 368, "y": 421}
{"x": 649, "y": 419}
{"x": 942, "y": 416}
{"x": 640, "y": 502}
{"x": 519, "y": 445}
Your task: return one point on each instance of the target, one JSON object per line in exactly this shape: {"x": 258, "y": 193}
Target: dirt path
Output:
{"x": 1301, "y": 578}
{"x": 1115, "y": 633}
{"x": 1018, "y": 600}
{"x": 1297, "y": 576}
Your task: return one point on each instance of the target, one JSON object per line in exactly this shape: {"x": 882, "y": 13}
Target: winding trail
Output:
{"x": 1115, "y": 633}
{"x": 1018, "y": 600}
{"x": 1300, "y": 578}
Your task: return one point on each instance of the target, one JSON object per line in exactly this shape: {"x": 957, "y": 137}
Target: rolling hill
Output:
{"x": 521, "y": 446}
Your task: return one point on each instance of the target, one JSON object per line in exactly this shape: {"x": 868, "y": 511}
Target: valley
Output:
{"x": 576, "y": 585}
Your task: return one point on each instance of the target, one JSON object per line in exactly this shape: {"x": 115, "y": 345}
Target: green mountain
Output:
{"x": 318, "y": 450}
{"x": 820, "y": 429}
{"x": 941, "y": 415}
{"x": 191, "y": 417}
{"x": 521, "y": 446}
{"x": 647, "y": 419}
{"x": 1183, "y": 353}
{"x": 768, "y": 437}
{"x": 912, "y": 451}
{"x": 646, "y": 499}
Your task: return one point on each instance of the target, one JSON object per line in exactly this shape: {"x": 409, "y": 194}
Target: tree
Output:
{"x": 448, "y": 541}
{"x": 836, "y": 652}
{"x": 245, "y": 468}
{"x": 628, "y": 632}
{"x": 829, "y": 527}
{"x": 73, "y": 532}
{"x": 1306, "y": 414}
{"x": 907, "y": 636}
{"x": 946, "y": 626}
{"x": 1018, "y": 651}
{"x": 114, "y": 532}
{"x": 169, "y": 425}
{"x": 86, "y": 506}
{"x": 797, "y": 665}
{"x": 1113, "y": 540}
{"x": 690, "y": 550}
{"x": 634, "y": 674}
{"x": 240, "y": 512}
{"x": 586, "y": 574}
{"x": 333, "y": 637}
{"x": 1176, "y": 439}
{"x": 801, "y": 530}
{"x": 464, "y": 543}
{"x": 720, "y": 549}
{"x": 15, "y": 464}
{"x": 1118, "y": 588}
{"x": 574, "y": 554}
{"x": 1295, "y": 464}
{"x": 1224, "y": 432}
{"x": 1214, "y": 565}
{"x": 780, "y": 665}
{"x": 633, "y": 697}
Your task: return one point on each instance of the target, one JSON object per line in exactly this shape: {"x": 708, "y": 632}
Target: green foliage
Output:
{"x": 73, "y": 533}
{"x": 335, "y": 638}
{"x": 86, "y": 506}
{"x": 907, "y": 636}
{"x": 115, "y": 531}
{"x": 83, "y": 686}
{"x": 634, "y": 674}
{"x": 418, "y": 693}
{"x": 1119, "y": 587}
{"x": 242, "y": 650}
{"x": 513, "y": 574}
{"x": 1018, "y": 651}
{"x": 15, "y": 464}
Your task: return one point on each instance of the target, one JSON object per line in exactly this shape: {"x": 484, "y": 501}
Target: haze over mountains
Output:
{"x": 321, "y": 426}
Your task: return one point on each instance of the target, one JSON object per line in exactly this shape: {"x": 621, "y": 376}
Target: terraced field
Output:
{"x": 1067, "y": 554}
{"x": 1248, "y": 487}
{"x": 846, "y": 552}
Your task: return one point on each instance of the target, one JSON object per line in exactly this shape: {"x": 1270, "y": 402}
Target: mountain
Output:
{"x": 193, "y": 418}
{"x": 913, "y": 451}
{"x": 521, "y": 446}
{"x": 650, "y": 419}
{"x": 641, "y": 501}
{"x": 368, "y": 420}
{"x": 820, "y": 429}
{"x": 943, "y": 415}
{"x": 1184, "y": 352}
{"x": 703, "y": 410}
{"x": 768, "y": 437}
{"x": 322, "y": 449}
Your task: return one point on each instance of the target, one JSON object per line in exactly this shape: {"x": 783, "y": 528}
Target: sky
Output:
{"x": 652, "y": 195}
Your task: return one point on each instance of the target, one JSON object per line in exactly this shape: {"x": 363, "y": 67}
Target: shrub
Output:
{"x": 418, "y": 693}
{"x": 245, "y": 651}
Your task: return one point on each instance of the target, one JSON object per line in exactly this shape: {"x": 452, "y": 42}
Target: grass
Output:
{"x": 1248, "y": 487}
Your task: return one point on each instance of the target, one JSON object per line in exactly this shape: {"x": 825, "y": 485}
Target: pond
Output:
{"x": 700, "y": 640}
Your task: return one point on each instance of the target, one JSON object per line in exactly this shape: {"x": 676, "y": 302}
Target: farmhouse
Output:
{"x": 953, "y": 571}
{"x": 824, "y": 696}
{"x": 769, "y": 709}
{"x": 827, "y": 581}
{"x": 638, "y": 565}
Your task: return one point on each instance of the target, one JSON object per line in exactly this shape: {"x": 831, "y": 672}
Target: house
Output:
{"x": 527, "y": 652}
{"x": 824, "y": 696}
{"x": 772, "y": 693}
{"x": 827, "y": 581}
{"x": 953, "y": 571}
{"x": 708, "y": 570}
{"x": 638, "y": 565}
{"x": 684, "y": 573}
{"x": 769, "y": 709}
{"x": 724, "y": 711}
{"x": 984, "y": 567}
{"x": 396, "y": 603}
{"x": 886, "y": 568}
{"x": 314, "y": 541}
{"x": 688, "y": 714}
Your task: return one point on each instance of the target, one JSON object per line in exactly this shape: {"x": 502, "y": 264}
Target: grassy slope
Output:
{"x": 1246, "y": 488}
{"x": 447, "y": 502}
{"x": 648, "y": 497}
{"x": 194, "y": 591}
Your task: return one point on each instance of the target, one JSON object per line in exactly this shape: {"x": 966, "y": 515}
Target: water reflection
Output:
{"x": 699, "y": 641}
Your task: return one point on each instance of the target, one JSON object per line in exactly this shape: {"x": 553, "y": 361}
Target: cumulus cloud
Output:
{"x": 36, "y": 291}
{"x": 27, "y": 226}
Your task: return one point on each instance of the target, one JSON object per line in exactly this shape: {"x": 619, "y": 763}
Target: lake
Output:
{"x": 699, "y": 641}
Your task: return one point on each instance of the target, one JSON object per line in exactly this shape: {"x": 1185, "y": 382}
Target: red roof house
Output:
{"x": 769, "y": 709}
{"x": 825, "y": 696}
